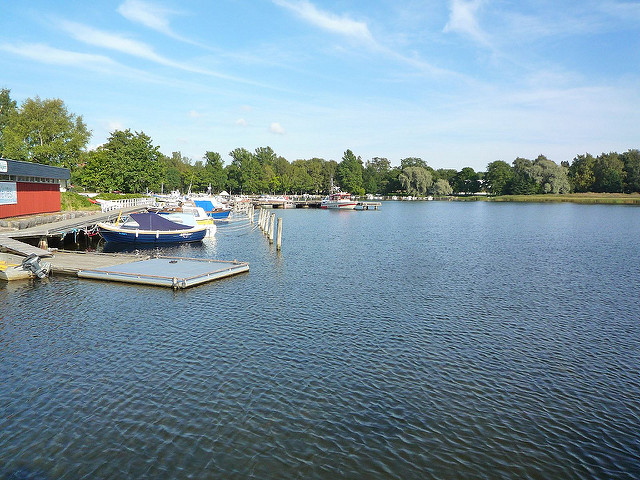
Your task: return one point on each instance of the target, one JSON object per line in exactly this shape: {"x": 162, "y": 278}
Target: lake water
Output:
{"x": 425, "y": 340}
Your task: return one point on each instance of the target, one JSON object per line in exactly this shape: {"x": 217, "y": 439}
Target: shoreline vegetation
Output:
{"x": 44, "y": 131}
{"x": 72, "y": 201}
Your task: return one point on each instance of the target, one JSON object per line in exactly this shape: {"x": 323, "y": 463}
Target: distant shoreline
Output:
{"x": 586, "y": 198}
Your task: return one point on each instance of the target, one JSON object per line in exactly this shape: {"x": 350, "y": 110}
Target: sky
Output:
{"x": 457, "y": 83}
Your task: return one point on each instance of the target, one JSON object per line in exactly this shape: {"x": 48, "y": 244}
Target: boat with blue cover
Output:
{"x": 215, "y": 212}
{"x": 151, "y": 228}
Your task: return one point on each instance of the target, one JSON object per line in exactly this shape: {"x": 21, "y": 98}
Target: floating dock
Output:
{"x": 172, "y": 272}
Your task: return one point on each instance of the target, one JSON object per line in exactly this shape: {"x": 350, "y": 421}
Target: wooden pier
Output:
{"x": 148, "y": 269}
{"x": 368, "y": 205}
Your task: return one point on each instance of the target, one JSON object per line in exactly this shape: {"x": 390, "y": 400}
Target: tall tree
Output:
{"x": 349, "y": 173}
{"x": 631, "y": 160}
{"x": 375, "y": 175}
{"x": 523, "y": 182}
{"x": 136, "y": 158}
{"x": 7, "y": 109}
{"x": 551, "y": 177}
{"x": 581, "y": 176}
{"x": 499, "y": 175}
{"x": 609, "y": 174}
{"x": 416, "y": 180}
{"x": 466, "y": 181}
{"x": 412, "y": 162}
{"x": 43, "y": 131}
{"x": 248, "y": 172}
{"x": 215, "y": 176}
{"x": 441, "y": 188}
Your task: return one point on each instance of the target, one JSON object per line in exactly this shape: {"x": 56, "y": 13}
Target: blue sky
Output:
{"x": 455, "y": 82}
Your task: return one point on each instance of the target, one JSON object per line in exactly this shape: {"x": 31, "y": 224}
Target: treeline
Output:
{"x": 44, "y": 131}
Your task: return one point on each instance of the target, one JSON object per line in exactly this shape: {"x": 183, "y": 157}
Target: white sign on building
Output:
{"x": 3, "y": 166}
{"x": 8, "y": 193}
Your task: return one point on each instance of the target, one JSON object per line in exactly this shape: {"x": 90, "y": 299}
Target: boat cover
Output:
{"x": 153, "y": 221}
{"x": 205, "y": 204}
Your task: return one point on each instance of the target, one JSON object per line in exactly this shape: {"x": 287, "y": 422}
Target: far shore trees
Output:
{"x": 44, "y": 131}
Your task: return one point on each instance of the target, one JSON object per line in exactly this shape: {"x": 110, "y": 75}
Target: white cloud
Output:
{"x": 147, "y": 14}
{"x": 195, "y": 114}
{"x": 328, "y": 21}
{"x": 462, "y": 19}
{"x": 276, "y": 128}
{"x": 54, "y": 56}
{"x": 242, "y": 122}
{"x": 152, "y": 16}
{"x": 128, "y": 46}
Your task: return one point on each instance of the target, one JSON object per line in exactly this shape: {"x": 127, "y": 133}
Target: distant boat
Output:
{"x": 151, "y": 228}
{"x": 338, "y": 200}
{"x": 217, "y": 213}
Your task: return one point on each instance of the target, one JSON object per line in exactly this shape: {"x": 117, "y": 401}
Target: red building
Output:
{"x": 30, "y": 188}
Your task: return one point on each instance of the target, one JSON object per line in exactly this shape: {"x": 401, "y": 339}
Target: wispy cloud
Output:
{"x": 120, "y": 43}
{"x": 154, "y": 17}
{"x": 148, "y": 15}
{"x": 341, "y": 25}
{"x": 463, "y": 20}
{"x": 54, "y": 56}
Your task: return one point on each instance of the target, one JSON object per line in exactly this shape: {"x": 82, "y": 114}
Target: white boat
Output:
{"x": 339, "y": 201}
{"x": 191, "y": 216}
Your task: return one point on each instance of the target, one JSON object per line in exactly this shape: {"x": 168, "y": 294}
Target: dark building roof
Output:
{"x": 30, "y": 169}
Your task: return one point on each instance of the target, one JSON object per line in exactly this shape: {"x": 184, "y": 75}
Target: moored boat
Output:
{"x": 151, "y": 228}
{"x": 213, "y": 211}
{"x": 339, "y": 201}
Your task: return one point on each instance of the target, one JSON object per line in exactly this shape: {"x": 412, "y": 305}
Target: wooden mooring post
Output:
{"x": 272, "y": 221}
{"x": 279, "y": 235}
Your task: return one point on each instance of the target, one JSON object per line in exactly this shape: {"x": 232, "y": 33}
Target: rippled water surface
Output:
{"x": 424, "y": 340}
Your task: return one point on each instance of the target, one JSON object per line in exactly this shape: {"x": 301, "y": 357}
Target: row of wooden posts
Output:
{"x": 267, "y": 222}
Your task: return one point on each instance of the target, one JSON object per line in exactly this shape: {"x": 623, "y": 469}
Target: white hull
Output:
{"x": 339, "y": 205}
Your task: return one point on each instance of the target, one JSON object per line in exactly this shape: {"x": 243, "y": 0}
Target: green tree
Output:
{"x": 549, "y": 176}
{"x": 375, "y": 175}
{"x": 43, "y": 131}
{"x": 466, "y": 181}
{"x": 248, "y": 172}
{"x": 416, "y": 180}
{"x": 499, "y": 175}
{"x": 329, "y": 172}
{"x": 265, "y": 156}
{"x": 136, "y": 161}
{"x": 609, "y": 173}
{"x": 283, "y": 171}
{"x": 349, "y": 173}
{"x": 412, "y": 162}
{"x": 581, "y": 176}
{"x": 7, "y": 109}
{"x": 302, "y": 182}
{"x": 523, "y": 182}
{"x": 315, "y": 167}
{"x": 393, "y": 184}
{"x": 215, "y": 175}
{"x": 441, "y": 188}
{"x": 448, "y": 174}
{"x": 631, "y": 160}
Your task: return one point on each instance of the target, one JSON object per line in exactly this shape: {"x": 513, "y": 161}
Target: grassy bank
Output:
{"x": 71, "y": 201}
{"x": 589, "y": 198}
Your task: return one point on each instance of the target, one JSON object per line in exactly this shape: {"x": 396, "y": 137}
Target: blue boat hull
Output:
{"x": 152, "y": 238}
{"x": 219, "y": 215}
